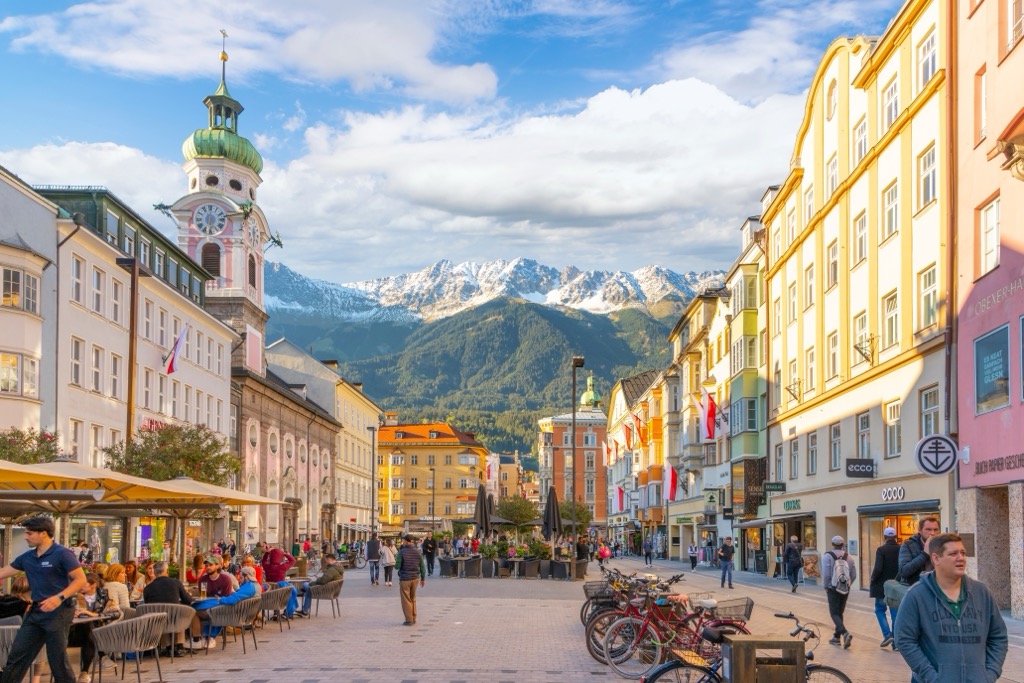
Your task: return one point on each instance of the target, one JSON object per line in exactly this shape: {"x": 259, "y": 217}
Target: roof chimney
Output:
{"x": 331, "y": 363}
{"x": 391, "y": 418}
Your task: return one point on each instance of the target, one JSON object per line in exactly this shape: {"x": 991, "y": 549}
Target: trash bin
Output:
{"x": 762, "y": 659}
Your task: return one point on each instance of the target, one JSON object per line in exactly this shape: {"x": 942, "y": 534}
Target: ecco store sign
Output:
{"x": 893, "y": 493}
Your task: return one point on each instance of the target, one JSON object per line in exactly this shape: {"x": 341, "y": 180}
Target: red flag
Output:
{"x": 709, "y": 409}
{"x": 671, "y": 483}
{"x": 628, "y": 433}
{"x": 172, "y": 358}
{"x": 620, "y": 494}
{"x": 641, "y": 433}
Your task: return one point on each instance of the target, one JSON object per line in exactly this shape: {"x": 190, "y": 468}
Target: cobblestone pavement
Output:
{"x": 522, "y": 631}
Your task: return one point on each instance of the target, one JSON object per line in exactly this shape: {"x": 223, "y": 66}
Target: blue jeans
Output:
{"x": 293, "y": 600}
{"x": 307, "y": 597}
{"x": 726, "y": 571}
{"x": 793, "y": 573}
{"x": 374, "y": 571}
{"x": 886, "y": 626}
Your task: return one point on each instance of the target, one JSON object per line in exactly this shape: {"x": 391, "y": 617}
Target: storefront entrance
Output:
{"x": 903, "y": 517}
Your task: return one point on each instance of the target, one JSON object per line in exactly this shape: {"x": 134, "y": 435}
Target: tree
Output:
{"x": 175, "y": 450}
{"x": 517, "y": 510}
{"x": 28, "y": 446}
{"x": 581, "y": 512}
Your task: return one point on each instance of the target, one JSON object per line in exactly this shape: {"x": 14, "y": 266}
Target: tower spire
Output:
{"x": 223, "y": 56}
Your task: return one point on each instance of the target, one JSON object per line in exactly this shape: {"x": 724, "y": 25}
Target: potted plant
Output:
{"x": 540, "y": 549}
{"x": 489, "y": 551}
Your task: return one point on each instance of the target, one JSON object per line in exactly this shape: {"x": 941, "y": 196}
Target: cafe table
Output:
{"x": 460, "y": 563}
{"x": 516, "y": 563}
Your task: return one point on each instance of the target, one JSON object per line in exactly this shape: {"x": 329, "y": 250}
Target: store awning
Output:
{"x": 750, "y": 524}
{"x": 796, "y": 517}
{"x": 904, "y": 507}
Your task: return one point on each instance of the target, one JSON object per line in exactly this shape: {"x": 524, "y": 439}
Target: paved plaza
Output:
{"x": 520, "y": 631}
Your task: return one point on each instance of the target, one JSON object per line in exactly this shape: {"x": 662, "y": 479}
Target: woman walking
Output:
{"x": 387, "y": 560}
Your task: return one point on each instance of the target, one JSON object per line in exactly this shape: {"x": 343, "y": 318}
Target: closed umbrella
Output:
{"x": 552, "y": 524}
{"x": 482, "y": 513}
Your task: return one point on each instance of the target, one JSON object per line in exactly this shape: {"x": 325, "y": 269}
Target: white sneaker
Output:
{"x": 196, "y": 644}
{"x": 211, "y": 643}
{"x": 84, "y": 677}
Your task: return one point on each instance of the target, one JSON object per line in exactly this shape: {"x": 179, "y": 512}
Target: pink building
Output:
{"x": 989, "y": 217}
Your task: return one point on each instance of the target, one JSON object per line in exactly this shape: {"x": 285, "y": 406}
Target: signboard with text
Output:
{"x": 860, "y": 468}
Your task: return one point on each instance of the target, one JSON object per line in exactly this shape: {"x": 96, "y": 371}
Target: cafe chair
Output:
{"x": 273, "y": 603}
{"x": 474, "y": 568}
{"x": 531, "y": 569}
{"x": 241, "y": 615}
{"x": 329, "y": 592}
{"x": 559, "y": 570}
{"x": 179, "y": 618}
{"x": 581, "y": 570}
{"x": 446, "y": 567}
{"x": 137, "y": 635}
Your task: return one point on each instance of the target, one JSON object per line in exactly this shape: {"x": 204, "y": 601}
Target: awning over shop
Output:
{"x": 750, "y": 524}
{"x": 903, "y": 507}
{"x": 796, "y": 517}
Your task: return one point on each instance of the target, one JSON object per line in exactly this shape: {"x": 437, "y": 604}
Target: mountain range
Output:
{"x": 485, "y": 345}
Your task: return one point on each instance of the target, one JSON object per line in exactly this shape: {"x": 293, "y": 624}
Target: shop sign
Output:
{"x": 893, "y": 493}
{"x": 860, "y": 468}
{"x": 791, "y": 504}
{"x": 195, "y": 522}
{"x": 935, "y": 454}
{"x": 727, "y": 513}
{"x": 775, "y": 487}
{"x": 684, "y": 520}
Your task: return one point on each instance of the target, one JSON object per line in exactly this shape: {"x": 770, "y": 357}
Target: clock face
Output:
{"x": 210, "y": 218}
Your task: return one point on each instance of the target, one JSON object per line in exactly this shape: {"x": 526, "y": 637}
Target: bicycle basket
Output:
{"x": 597, "y": 589}
{"x": 738, "y": 609}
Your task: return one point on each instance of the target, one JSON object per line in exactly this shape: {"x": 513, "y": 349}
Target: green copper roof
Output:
{"x": 220, "y": 142}
{"x": 590, "y": 397}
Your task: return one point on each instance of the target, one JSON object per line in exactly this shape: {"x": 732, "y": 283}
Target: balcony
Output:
{"x": 693, "y": 452}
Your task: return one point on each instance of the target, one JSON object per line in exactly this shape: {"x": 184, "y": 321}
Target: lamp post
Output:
{"x": 433, "y": 501}
{"x": 577, "y": 362}
{"x": 373, "y": 484}
{"x": 136, "y": 271}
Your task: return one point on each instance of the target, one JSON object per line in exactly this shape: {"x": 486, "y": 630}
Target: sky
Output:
{"x": 603, "y": 134}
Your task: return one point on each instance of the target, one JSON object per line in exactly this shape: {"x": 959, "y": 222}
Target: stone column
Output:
{"x": 1015, "y": 559}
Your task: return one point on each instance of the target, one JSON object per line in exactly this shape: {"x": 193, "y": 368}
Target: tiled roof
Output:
{"x": 634, "y": 387}
{"x": 417, "y": 433}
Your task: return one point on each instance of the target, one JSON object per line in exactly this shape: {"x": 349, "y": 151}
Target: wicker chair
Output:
{"x": 559, "y": 570}
{"x": 274, "y": 602}
{"x": 327, "y": 591}
{"x": 128, "y": 612}
{"x": 531, "y": 569}
{"x": 179, "y": 618}
{"x": 446, "y": 567}
{"x": 239, "y": 615}
{"x": 137, "y": 635}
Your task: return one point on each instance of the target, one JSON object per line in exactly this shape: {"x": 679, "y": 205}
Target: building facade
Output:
{"x": 627, "y": 457}
{"x": 856, "y": 273}
{"x": 988, "y": 131}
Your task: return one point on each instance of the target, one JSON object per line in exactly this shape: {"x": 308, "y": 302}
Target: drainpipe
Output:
{"x": 951, "y": 261}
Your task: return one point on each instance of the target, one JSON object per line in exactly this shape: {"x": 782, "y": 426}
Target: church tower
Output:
{"x": 220, "y": 223}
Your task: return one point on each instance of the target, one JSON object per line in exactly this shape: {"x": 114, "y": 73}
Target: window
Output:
{"x": 794, "y": 459}
{"x": 777, "y": 386}
{"x": 20, "y": 290}
{"x": 929, "y": 411}
{"x": 779, "y": 474}
{"x": 447, "y": 482}
{"x": 891, "y": 322}
{"x": 158, "y": 263}
{"x": 891, "y": 210}
{"x": 430, "y": 460}
{"x": 989, "y": 243}
{"x": 833, "y": 265}
{"x": 413, "y": 507}
{"x": 252, "y": 271}
{"x": 147, "y": 389}
{"x": 144, "y": 251}
{"x": 777, "y": 307}
{"x": 864, "y": 436}
{"x": 116, "y": 376}
{"x": 413, "y": 482}
{"x": 860, "y": 238}
{"x": 791, "y": 224}
{"x": 743, "y": 416}
{"x": 77, "y": 273}
{"x": 397, "y": 508}
{"x": 129, "y": 240}
{"x": 861, "y": 338}
{"x": 793, "y": 379}
{"x": 188, "y": 404}
{"x": 929, "y": 292}
{"x": 860, "y": 140}
{"x": 175, "y": 385}
{"x": 161, "y": 395}
{"x": 890, "y": 103}
{"x": 115, "y": 300}
{"x": 111, "y": 227}
{"x": 1015, "y": 22}
{"x": 834, "y": 446}
{"x": 808, "y": 205}
{"x": 777, "y": 244}
{"x": 831, "y": 101}
{"x": 980, "y": 105}
{"x": 927, "y": 60}
{"x": 809, "y": 286}
{"x": 792, "y": 303}
{"x": 97, "y": 369}
{"x": 75, "y": 428}
{"x": 220, "y": 357}
{"x": 833, "y": 355}
{"x": 750, "y": 358}
{"x": 96, "y": 446}
{"x": 397, "y": 483}
{"x": 893, "y": 430}
{"x": 831, "y": 176}
{"x": 812, "y": 453}
{"x": 30, "y": 377}
{"x": 992, "y": 370}
{"x": 926, "y": 174}
{"x": 414, "y": 460}
{"x": 588, "y": 463}
{"x": 10, "y": 374}
{"x": 809, "y": 365}
{"x": 447, "y": 460}
{"x": 147, "y": 320}
{"x": 589, "y": 439}
{"x": 77, "y": 349}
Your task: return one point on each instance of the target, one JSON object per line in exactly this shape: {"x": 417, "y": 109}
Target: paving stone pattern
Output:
{"x": 520, "y": 631}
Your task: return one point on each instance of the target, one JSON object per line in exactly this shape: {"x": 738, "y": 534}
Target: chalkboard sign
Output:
{"x": 761, "y": 561}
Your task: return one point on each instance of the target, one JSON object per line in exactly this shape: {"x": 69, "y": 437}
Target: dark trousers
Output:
{"x": 41, "y": 628}
{"x": 389, "y": 572}
{"x": 836, "y": 607}
{"x": 693, "y": 563}
{"x": 793, "y": 573}
{"x": 429, "y": 558}
{"x": 647, "y": 557}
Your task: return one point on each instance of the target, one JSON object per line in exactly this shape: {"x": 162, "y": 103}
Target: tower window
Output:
{"x": 235, "y": 185}
{"x": 252, "y": 271}
{"x": 211, "y": 258}
{"x": 212, "y": 180}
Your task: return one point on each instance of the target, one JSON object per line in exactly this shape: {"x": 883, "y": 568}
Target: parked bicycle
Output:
{"x": 355, "y": 558}
{"x": 689, "y": 670}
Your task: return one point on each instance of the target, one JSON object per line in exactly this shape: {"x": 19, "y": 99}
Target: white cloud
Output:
{"x": 383, "y": 45}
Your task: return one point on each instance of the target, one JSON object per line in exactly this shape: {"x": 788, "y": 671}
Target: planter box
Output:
{"x": 488, "y": 568}
{"x": 545, "y": 569}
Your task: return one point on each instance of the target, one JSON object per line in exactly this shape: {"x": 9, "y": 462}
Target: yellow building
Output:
{"x": 856, "y": 273}
{"x": 428, "y": 474}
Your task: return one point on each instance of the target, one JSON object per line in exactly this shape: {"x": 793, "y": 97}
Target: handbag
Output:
{"x": 894, "y": 592}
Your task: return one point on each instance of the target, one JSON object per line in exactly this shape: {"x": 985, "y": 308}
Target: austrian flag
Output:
{"x": 172, "y": 358}
{"x": 708, "y": 411}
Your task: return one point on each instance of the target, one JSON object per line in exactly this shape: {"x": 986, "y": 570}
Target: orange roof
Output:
{"x": 430, "y": 432}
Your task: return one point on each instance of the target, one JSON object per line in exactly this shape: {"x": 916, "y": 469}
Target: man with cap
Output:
{"x": 410, "y": 566}
{"x": 332, "y": 572}
{"x": 838, "y": 572}
{"x": 55, "y": 577}
{"x": 887, "y": 566}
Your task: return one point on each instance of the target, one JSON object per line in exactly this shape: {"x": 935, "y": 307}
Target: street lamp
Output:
{"x": 577, "y": 362}
{"x": 433, "y": 500}
{"x": 135, "y": 270}
{"x": 373, "y": 485}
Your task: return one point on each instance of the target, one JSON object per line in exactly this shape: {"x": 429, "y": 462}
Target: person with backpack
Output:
{"x": 793, "y": 560}
{"x": 886, "y": 568}
{"x": 838, "y": 572}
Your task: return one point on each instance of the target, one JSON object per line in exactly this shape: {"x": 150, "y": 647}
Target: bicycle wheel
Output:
{"x": 818, "y": 673}
{"x": 633, "y": 649}
{"x": 681, "y": 672}
{"x": 597, "y": 629}
{"x": 585, "y": 610}
{"x": 360, "y": 561}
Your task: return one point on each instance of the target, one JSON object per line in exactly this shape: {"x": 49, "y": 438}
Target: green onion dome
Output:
{"x": 222, "y": 143}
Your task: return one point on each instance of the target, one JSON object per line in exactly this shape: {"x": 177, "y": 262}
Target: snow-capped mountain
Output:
{"x": 445, "y": 289}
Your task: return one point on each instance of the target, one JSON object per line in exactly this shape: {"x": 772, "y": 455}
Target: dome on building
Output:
{"x": 590, "y": 397}
{"x": 222, "y": 143}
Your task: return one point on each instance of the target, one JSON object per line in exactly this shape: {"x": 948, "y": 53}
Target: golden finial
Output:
{"x": 223, "y": 53}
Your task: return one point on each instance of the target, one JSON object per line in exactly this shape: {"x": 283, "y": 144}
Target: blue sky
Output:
{"x": 395, "y": 133}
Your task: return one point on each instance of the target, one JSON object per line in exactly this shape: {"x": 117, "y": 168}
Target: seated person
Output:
{"x": 332, "y": 572}
{"x": 18, "y": 601}
{"x": 114, "y": 584}
{"x": 93, "y": 601}
{"x": 216, "y": 585}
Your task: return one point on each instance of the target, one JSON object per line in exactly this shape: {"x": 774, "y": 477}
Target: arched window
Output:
{"x": 252, "y": 271}
{"x": 211, "y": 258}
